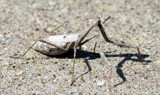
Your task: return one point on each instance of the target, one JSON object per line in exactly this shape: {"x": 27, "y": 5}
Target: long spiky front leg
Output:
{"x": 118, "y": 43}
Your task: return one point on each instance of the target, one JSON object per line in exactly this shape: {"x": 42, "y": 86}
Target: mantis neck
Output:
{"x": 85, "y": 34}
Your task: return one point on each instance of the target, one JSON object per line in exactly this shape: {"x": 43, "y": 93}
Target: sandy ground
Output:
{"x": 132, "y": 21}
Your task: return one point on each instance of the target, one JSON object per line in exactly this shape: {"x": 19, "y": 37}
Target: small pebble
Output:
{"x": 1, "y": 76}
{"x": 51, "y": 3}
{"x": 100, "y": 83}
{"x": 37, "y": 29}
{"x": 2, "y": 38}
{"x": 19, "y": 72}
{"x": 14, "y": 67}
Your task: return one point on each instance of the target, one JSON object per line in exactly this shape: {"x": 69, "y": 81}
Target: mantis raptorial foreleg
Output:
{"x": 118, "y": 43}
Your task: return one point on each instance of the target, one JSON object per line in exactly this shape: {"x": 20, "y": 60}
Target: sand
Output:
{"x": 22, "y": 22}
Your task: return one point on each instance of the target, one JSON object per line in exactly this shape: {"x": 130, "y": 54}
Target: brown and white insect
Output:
{"x": 59, "y": 44}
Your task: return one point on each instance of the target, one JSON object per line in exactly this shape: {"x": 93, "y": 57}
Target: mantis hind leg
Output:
{"x": 35, "y": 43}
{"x": 24, "y": 52}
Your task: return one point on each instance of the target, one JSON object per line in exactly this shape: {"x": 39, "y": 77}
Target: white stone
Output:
{"x": 100, "y": 83}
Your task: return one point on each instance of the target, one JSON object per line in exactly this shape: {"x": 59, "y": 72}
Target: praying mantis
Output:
{"x": 60, "y": 44}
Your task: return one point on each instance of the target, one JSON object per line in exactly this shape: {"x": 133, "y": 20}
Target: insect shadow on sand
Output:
{"x": 127, "y": 57}
{"x": 80, "y": 54}
{"x": 88, "y": 55}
